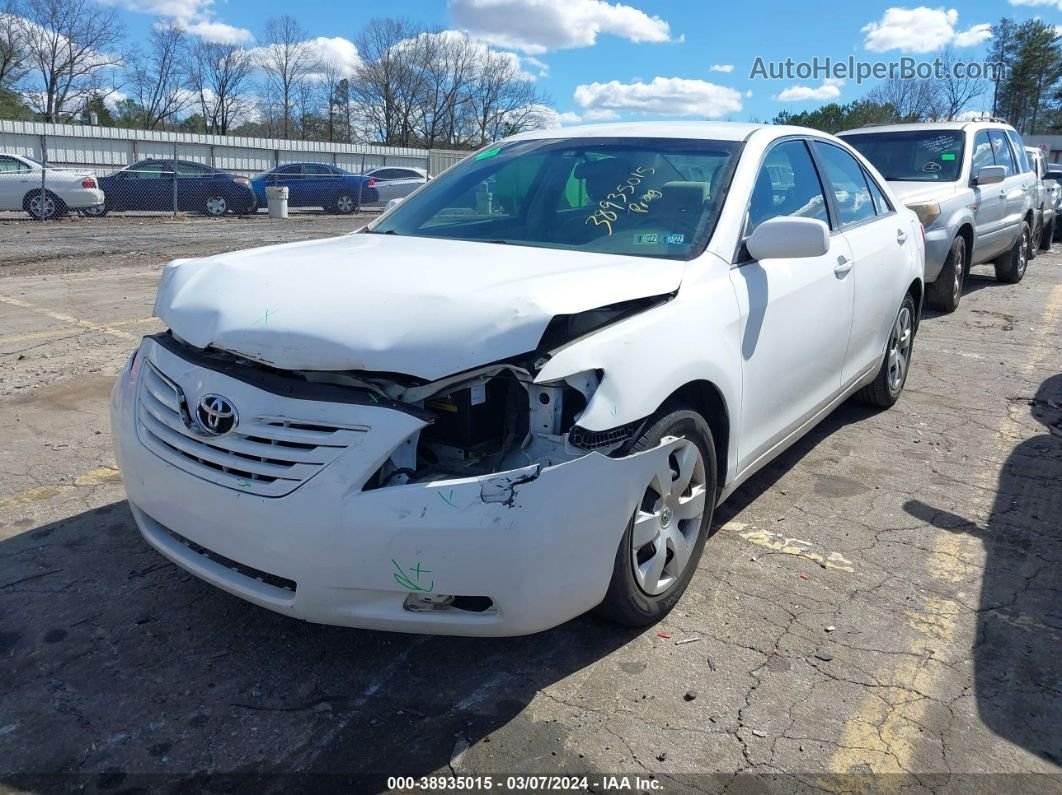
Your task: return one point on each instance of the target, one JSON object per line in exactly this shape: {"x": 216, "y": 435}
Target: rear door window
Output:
{"x": 1002, "y": 153}
{"x": 848, "y": 184}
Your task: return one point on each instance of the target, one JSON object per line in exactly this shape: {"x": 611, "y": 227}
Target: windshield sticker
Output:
{"x": 941, "y": 142}
{"x": 621, "y": 201}
{"x": 646, "y": 239}
{"x": 947, "y": 156}
{"x": 488, "y": 153}
{"x": 675, "y": 238}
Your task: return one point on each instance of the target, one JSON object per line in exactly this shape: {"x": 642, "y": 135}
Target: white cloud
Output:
{"x": 217, "y": 32}
{"x": 725, "y": 68}
{"x": 600, "y": 114}
{"x": 748, "y": 93}
{"x": 543, "y": 68}
{"x": 830, "y": 89}
{"x": 342, "y": 52}
{"x": 1055, "y": 3}
{"x": 663, "y": 96}
{"x": 920, "y": 30}
{"x": 537, "y": 26}
{"x": 195, "y": 16}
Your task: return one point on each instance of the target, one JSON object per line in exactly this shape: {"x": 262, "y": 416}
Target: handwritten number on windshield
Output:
{"x": 620, "y": 200}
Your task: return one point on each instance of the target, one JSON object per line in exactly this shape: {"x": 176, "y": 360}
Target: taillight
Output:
{"x": 88, "y": 182}
{"x": 372, "y": 182}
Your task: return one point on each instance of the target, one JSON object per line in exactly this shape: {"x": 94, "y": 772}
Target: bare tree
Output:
{"x": 335, "y": 87}
{"x": 389, "y": 78}
{"x": 12, "y": 49}
{"x": 912, "y": 100}
{"x": 70, "y": 46}
{"x": 450, "y": 66}
{"x": 287, "y": 60}
{"x": 220, "y": 76}
{"x": 955, "y": 94}
{"x": 502, "y": 103}
{"x": 157, "y": 78}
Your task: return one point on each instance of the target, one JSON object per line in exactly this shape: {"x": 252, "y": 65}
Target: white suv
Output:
{"x": 973, "y": 188}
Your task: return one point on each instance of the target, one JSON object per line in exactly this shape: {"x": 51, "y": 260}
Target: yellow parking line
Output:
{"x": 94, "y": 477}
{"x": 64, "y": 318}
{"x": 43, "y": 335}
{"x": 888, "y": 727}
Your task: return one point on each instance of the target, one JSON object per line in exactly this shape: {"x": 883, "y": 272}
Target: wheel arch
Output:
{"x": 966, "y": 232}
{"x": 917, "y": 291}
{"x": 706, "y": 399}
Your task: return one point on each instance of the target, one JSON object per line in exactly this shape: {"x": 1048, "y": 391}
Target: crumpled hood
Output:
{"x": 914, "y": 192}
{"x": 387, "y": 303}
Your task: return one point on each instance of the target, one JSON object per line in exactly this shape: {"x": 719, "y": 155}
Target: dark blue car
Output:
{"x": 151, "y": 184}
{"x": 318, "y": 185}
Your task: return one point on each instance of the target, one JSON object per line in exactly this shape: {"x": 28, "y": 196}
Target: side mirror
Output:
{"x": 789, "y": 237}
{"x": 394, "y": 203}
{"x": 990, "y": 175}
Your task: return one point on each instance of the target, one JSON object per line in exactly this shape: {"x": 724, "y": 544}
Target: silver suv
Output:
{"x": 971, "y": 185}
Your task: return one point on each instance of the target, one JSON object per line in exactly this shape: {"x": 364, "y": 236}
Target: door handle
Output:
{"x": 901, "y": 238}
{"x": 843, "y": 265}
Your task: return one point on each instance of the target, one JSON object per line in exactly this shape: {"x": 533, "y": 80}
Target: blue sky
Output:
{"x": 640, "y": 59}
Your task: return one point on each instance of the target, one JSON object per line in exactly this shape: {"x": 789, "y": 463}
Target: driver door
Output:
{"x": 796, "y": 313}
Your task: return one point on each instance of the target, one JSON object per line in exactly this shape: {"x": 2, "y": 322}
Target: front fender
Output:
{"x": 648, "y": 357}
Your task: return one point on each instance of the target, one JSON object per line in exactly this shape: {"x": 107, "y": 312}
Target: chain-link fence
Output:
{"x": 173, "y": 179}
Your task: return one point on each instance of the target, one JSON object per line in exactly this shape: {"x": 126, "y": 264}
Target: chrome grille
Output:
{"x": 267, "y": 456}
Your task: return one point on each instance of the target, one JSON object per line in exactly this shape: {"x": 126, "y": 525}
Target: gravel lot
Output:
{"x": 883, "y": 599}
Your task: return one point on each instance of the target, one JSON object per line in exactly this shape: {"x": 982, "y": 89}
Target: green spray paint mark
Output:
{"x": 488, "y": 153}
{"x": 245, "y": 484}
{"x": 412, "y": 583}
{"x": 373, "y": 398}
{"x": 448, "y": 500}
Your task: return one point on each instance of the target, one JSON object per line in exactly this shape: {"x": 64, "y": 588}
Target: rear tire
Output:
{"x": 215, "y": 205}
{"x": 662, "y": 544}
{"x": 1010, "y": 268}
{"x": 345, "y": 204}
{"x": 1048, "y": 236}
{"x": 43, "y": 205}
{"x": 888, "y": 384}
{"x": 945, "y": 293}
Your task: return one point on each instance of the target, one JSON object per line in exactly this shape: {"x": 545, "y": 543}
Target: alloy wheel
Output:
{"x": 216, "y": 205}
{"x": 960, "y": 273}
{"x": 1023, "y": 253}
{"x": 668, "y": 520}
{"x": 900, "y": 349}
{"x": 42, "y": 206}
{"x": 345, "y": 204}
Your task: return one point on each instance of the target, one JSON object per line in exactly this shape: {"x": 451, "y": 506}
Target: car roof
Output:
{"x": 706, "y": 130}
{"x": 926, "y": 125}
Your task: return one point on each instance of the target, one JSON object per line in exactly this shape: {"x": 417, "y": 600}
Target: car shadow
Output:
{"x": 121, "y": 671}
{"x": 848, "y": 413}
{"x": 1018, "y": 653}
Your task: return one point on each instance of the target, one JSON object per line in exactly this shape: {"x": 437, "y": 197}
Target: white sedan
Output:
{"x": 396, "y": 182}
{"x": 45, "y": 191}
{"x": 583, "y": 341}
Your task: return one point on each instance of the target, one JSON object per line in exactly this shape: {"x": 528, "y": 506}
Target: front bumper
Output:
{"x": 539, "y": 542}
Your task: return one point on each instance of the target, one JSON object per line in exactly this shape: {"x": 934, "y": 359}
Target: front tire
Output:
{"x": 662, "y": 544}
{"x": 888, "y": 384}
{"x": 1010, "y": 268}
{"x": 945, "y": 293}
{"x": 1037, "y": 237}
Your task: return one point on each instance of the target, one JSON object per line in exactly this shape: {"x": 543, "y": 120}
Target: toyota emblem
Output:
{"x": 215, "y": 415}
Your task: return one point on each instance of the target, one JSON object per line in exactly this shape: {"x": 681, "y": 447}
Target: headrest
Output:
{"x": 683, "y": 196}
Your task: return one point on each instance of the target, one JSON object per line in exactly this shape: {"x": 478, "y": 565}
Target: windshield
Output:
{"x": 917, "y": 156}
{"x": 637, "y": 196}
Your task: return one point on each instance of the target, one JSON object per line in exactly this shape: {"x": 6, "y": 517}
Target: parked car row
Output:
{"x": 45, "y": 191}
{"x": 977, "y": 192}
